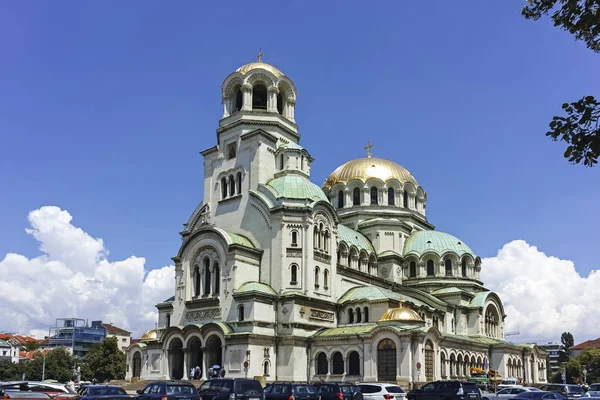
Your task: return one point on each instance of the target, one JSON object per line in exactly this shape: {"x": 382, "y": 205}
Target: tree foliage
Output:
{"x": 59, "y": 365}
{"x": 567, "y": 342}
{"x": 10, "y": 371}
{"x": 31, "y": 346}
{"x": 104, "y": 362}
{"x": 580, "y": 129}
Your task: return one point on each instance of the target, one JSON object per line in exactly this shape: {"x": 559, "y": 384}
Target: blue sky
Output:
{"x": 104, "y": 108}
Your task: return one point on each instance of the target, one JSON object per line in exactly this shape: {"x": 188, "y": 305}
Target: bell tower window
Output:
{"x": 279, "y": 104}
{"x": 448, "y": 268}
{"x": 238, "y": 100}
{"x": 231, "y": 186}
{"x": 391, "y": 197}
{"x": 356, "y": 197}
{"x": 405, "y": 199}
{"x": 281, "y": 162}
{"x": 374, "y": 199}
{"x": 223, "y": 188}
{"x": 341, "y": 199}
{"x": 259, "y": 97}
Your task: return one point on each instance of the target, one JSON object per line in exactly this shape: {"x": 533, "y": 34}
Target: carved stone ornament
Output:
{"x": 206, "y": 251}
{"x": 203, "y": 314}
{"x": 322, "y": 315}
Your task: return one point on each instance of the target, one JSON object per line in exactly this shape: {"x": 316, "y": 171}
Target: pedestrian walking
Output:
{"x": 192, "y": 373}
{"x": 198, "y": 372}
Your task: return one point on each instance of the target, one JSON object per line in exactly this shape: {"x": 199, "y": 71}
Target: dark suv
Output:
{"x": 569, "y": 391}
{"x": 446, "y": 390}
{"x": 291, "y": 391}
{"x": 339, "y": 391}
{"x": 168, "y": 391}
{"x": 231, "y": 388}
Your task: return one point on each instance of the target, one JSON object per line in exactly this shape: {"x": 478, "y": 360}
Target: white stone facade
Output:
{"x": 278, "y": 277}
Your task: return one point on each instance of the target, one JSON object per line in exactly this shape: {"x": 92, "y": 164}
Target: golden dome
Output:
{"x": 244, "y": 69}
{"x": 367, "y": 168}
{"x": 401, "y": 314}
{"x": 152, "y": 334}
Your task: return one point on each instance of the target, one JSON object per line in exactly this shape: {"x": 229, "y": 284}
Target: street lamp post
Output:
{"x": 584, "y": 375}
{"x": 43, "y": 366}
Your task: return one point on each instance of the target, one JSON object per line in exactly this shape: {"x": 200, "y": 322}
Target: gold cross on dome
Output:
{"x": 368, "y": 148}
{"x": 260, "y": 55}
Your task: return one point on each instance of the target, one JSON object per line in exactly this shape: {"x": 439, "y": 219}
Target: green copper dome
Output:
{"x": 439, "y": 242}
{"x": 292, "y": 186}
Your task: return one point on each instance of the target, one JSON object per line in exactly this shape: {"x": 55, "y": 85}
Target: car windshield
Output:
{"x": 508, "y": 382}
{"x": 243, "y": 386}
{"x": 184, "y": 389}
{"x": 394, "y": 389}
{"x": 575, "y": 389}
{"x": 104, "y": 391}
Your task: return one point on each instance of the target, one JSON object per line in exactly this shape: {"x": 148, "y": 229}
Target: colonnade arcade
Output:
{"x": 191, "y": 351}
{"x": 459, "y": 364}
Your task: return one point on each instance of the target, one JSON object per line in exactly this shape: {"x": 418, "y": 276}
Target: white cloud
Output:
{"x": 543, "y": 296}
{"x": 74, "y": 278}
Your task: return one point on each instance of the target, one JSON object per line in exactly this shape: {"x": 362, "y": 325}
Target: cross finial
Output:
{"x": 259, "y": 56}
{"x": 368, "y": 148}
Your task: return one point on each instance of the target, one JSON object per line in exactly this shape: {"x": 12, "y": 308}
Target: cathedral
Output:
{"x": 286, "y": 280}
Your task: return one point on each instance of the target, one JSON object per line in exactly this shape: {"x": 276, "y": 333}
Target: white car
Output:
{"x": 381, "y": 391}
{"x": 507, "y": 393}
{"x": 508, "y": 382}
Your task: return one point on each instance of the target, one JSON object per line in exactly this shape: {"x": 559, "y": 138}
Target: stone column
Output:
{"x": 226, "y": 105}
{"x": 246, "y": 97}
{"x": 290, "y": 109}
{"x": 272, "y": 99}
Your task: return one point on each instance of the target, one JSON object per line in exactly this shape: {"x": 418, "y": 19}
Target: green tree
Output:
{"x": 105, "y": 361}
{"x": 59, "y": 365}
{"x": 567, "y": 342}
{"x": 591, "y": 360}
{"x": 580, "y": 129}
{"x": 10, "y": 371}
{"x": 573, "y": 371}
{"x": 31, "y": 346}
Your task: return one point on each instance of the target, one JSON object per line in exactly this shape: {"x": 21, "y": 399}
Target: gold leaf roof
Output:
{"x": 244, "y": 69}
{"x": 369, "y": 167}
{"x": 152, "y": 334}
{"x": 401, "y": 314}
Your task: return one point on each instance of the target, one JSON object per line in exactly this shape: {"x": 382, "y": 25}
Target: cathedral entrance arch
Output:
{"x": 429, "y": 365}
{"x": 137, "y": 364}
{"x": 386, "y": 361}
{"x": 176, "y": 358}
{"x": 195, "y": 354}
{"x": 214, "y": 351}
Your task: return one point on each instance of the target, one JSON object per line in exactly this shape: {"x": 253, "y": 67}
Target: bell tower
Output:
{"x": 258, "y": 118}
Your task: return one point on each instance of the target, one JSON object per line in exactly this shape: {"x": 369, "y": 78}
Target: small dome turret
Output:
{"x": 401, "y": 314}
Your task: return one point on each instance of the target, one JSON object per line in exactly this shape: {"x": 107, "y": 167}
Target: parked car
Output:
{"x": 568, "y": 391}
{"x": 291, "y": 391}
{"x": 594, "y": 390}
{"x": 24, "y": 395}
{"x": 103, "y": 392}
{"x": 446, "y": 390}
{"x": 32, "y": 386}
{"x": 339, "y": 391}
{"x": 168, "y": 391}
{"x": 223, "y": 389}
{"x": 381, "y": 391}
{"x": 507, "y": 393}
{"x": 508, "y": 382}
{"x": 539, "y": 395}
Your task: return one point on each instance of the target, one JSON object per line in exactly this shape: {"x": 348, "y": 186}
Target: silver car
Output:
{"x": 507, "y": 393}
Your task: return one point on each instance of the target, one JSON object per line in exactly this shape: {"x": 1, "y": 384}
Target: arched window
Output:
{"x": 326, "y": 241}
{"x": 358, "y": 315}
{"x": 366, "y": 314}
{"x": 374, "y": 196}
{"x": 238, "y": 100}
{"x": 326, "y": 279}
{"x": 430, "y": 268}
{"x": 464, "y": 268}
{"x": 341, "y": 199}
{"x": 259, "y": 97}
{"x": 405, "y": 199}
{"x": 197, "y": 281}
{"x": 354, "y": 363}
{"x": 391, "y": 197}
{"x": 317, "y": 277}
{"x": 294, "y": 238}
{"x": 241, "y": 312}
{"x": 279, "y": 103}
{"x": 448, "y": 267}
{"x": 319, "y": 235}
{"x": 231, "y": 186}
{"x": 412, "y": 271}
{"x": 266, "y": 368}
{"x": 294, "y": 274}
{"x": 223, "y": 188}
{"x": 322, "y": 364}
{"x": 206, "y": 277}
{"x": 281, "y": 162}
{"x": 338, "y": 363}
{"x": 239, "y": 183}
{"x": 356, "y": 197}
{"x": 168, "y": 321}
{"x": 350, "y": 316}
{"x": 217, "y": 272}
